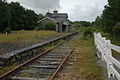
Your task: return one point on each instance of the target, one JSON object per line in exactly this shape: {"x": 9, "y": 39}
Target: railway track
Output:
{"x": 43, "y": 66}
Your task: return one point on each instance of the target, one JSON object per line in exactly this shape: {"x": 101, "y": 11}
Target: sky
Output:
{"x": 78, "y": 10}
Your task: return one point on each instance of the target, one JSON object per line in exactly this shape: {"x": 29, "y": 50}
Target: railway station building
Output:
{"x": 60, "y": 19}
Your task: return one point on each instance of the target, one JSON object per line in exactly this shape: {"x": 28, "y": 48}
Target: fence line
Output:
{"x": 105, "y": 48}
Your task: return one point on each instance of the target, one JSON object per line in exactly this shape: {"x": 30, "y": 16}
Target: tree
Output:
{"x": 16, "y": 17}
{"x": 116, "y": 31}
{"x": 111, "y": 15}
{"x": 98, "y": 22}
{"x": 30, "y": 19}
{"x": 4, "y": 15}
{"x": 22, "y": 18}
{"x": 82, "y": 24}
{"x": 40, "y": 16}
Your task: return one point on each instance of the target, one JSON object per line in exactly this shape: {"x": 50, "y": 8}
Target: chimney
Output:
{"x": 55, "y": 12}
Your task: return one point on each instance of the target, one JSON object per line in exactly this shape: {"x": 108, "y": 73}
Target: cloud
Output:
{"x": 39, "y": 6}
{"x": 85, "y": 10}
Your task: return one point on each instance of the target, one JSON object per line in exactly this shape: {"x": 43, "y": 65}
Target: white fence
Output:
{"x": 105, "y": 48}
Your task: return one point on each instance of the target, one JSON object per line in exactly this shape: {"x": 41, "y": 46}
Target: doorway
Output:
{"x": 64, "y": 28}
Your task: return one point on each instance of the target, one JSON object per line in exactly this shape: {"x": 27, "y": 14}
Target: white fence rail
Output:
{"x": 105, "y": 48}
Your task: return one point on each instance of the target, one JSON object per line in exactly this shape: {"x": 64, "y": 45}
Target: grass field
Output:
{"x": 23, "y": 35}
{"x": 20, "y": 39}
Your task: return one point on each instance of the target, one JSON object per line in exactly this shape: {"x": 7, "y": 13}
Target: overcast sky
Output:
{"x": 78, "y": 10}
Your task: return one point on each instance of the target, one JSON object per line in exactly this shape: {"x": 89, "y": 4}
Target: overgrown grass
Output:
{"x": 86, "y": 66}
{"x": 5, "y": 69}
{"x": 24, "y": 35}
{"x": 108, "y": 36}
{"x": 87, "y": 62}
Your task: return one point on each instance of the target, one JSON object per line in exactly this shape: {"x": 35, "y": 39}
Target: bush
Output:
{"x": 88, "y": 32}
{"x": 50, "y": 26}
{"x": 8, "y": 30}
{"x": 116, "y": 31}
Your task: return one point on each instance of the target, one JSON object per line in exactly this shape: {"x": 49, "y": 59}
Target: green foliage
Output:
{"x": 50, "y": 26}
{"x": 4, "y": 15}
{"x": 87, "y": 32}
{"x": 40, "y": 16}
{"x": 116, "y": 31}
{"x": 8, "y": 30}
{"x": 16, "y": 17}
{"x": 98, "y": 22}
{"x": 22, "y": 18}
{"x": 110, "y": 16}
{"x": 107, "y": 21}
{"x": 46, "y": 25}
{"x": 82, "y": 24}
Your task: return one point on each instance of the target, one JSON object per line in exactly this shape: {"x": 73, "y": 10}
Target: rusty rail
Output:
{"x": 36, "y": 57}
{"x": 62, "y": 63}
{"x": 28, "y": 61}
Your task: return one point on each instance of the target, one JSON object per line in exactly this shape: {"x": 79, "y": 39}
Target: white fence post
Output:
{"x": 100, "y": 46}
{"x": 105, "y": 48}
{"x": 108, "y": 54}
{"x": 103, "y": 44}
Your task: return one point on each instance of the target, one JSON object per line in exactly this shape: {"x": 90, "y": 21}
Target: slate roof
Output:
{"x": 58, "y": 19}
{"x": 47, "y": 18}
{"x": 58, "y": 15}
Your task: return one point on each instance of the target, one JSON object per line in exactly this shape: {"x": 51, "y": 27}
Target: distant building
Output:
{"x": 60, "y": 19}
